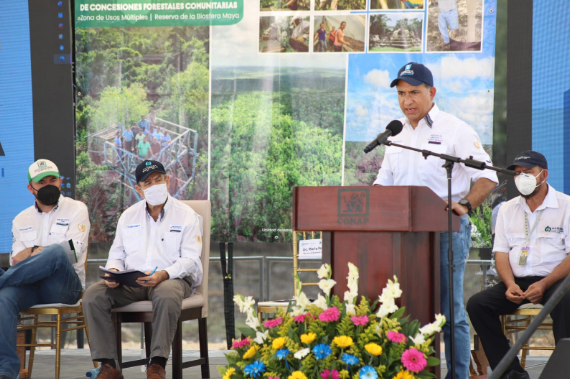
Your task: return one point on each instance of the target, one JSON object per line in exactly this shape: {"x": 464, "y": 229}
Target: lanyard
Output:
{"x": 527, "y": 233}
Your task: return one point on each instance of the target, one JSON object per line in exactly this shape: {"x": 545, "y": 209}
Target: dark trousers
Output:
{"x": 485, "y": 308}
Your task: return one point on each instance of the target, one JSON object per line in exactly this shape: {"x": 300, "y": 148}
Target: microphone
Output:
{"x": 394, "y": 128}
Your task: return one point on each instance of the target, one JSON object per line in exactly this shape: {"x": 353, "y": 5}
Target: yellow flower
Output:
{"x": 343, "y": 341}
{"x": 404, "y": 375}
{"x": 308, "y": 338}
{"x": 297, "y": 375}
{"x": 229, "y": 373}
{"x": 373, "y": 349}
{"x": 279, "y": 342}
{"x": 250, "y": 353}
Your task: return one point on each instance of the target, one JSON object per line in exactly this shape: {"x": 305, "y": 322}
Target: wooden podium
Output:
{"x": 384, "y": 231}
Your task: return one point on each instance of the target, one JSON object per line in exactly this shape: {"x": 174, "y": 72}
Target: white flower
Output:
{"x": 324, "y": 271}
{"x": 326, "y": 285}
{"x": 302, "y": 353}
{"x": 418, "y": 339}
{"x": 238, "y": 299}
{"x": 352, "y": 284}
{"x": 296, "y": 311}
{"x": 393, "y": 288}
{"x": 302, "y": 300}
{"x": 352, "y": 271}
{"x": 350, "y": 309}
{"x": 440, "y": 319}
{"x": 321, "y": 302}
{"x": 348, "y": 297}
{"x": 429, "y": 329}
{"x": 386, "y": 309}
{"x": 248, "y": 302}
{"x": 260, "y": 337}
{"x": 252, "y": 321}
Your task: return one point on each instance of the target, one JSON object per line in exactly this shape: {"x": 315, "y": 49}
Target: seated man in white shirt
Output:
{"x": 41, "y": 272}
{"x": 531, "y": 248}
{"x": 161, "y": 233}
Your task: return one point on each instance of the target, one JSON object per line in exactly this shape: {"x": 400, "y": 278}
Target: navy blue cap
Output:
{"x": 415, "y": 74}
{"x": 147, "y": 167}
{"x": 529, "y": 159}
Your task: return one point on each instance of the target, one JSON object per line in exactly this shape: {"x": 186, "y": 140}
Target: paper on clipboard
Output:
{"x": 311, "y": 249}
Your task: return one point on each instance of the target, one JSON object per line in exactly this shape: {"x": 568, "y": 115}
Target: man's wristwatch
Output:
{"x": 466, "y": 204}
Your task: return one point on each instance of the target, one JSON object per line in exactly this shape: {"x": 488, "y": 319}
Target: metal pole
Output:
{"x": 451, "y": 267}
{"x": 548, "y": 307}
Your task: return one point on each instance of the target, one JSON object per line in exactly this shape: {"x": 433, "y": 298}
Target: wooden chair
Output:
{"x": 527, "y": 311}
{"x": 193, "y": 308}
{"x": 268, "y": 307}
{"x": 59, "y": 310}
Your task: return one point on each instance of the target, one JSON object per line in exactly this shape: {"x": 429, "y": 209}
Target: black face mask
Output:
{"x": 48, "y": 195}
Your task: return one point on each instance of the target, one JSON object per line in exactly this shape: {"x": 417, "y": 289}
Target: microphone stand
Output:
{"x": 450, "y": 160}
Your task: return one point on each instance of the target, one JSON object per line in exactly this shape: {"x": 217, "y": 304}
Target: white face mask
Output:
{"x": 526, "y": 183}
{"x": 156, "y": 195}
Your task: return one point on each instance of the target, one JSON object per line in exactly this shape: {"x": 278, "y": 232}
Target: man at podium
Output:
{"x": 427, "y": 127}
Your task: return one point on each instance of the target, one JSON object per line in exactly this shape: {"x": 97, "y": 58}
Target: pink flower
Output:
{"x": 274, "y": 377}
{"x": 238, "y": 344}
{"x": 359, "y": 320}
{"x": 396, "y": 337}
{"x": 331, "y": 314}
{"x": 333, "y": 374}
{"x": 273, "y": 323}
{"x": 414, "y": 360}
{"x": 301, "y": 318}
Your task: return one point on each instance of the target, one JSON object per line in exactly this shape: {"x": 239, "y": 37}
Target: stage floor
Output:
{"x": 76, "y": 362}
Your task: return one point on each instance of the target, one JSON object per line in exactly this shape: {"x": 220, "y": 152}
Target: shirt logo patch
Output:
{"x": 26, "y": 229}
{"x": 176, "y": 228}
{"x": 132, "y": 226}
{"x": 477, "y": 144}
{"x": 554, "y": 229}
{"x": 63, "y": 221}
{"x": 198, "y": 239}
{"x": 81, "y": 228}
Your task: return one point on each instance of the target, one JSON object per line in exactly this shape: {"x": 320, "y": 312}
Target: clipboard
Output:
{"x": 126, "y": 278}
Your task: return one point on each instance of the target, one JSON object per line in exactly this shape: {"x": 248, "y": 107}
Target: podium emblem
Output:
{"x": 353, "y": 203}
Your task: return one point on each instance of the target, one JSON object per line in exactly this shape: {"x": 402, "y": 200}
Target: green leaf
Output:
{"x": 433, "y": 361}
{"x": 248, "y": 332}
{"x": 398, "y": 314}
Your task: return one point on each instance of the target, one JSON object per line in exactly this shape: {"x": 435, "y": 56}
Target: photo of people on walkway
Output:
{"x": 339, "y": 34}
{"x": 396, "y": 32}
{"x": 287, "y": 34}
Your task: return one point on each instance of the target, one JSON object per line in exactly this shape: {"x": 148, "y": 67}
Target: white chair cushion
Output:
{"x": 194, "y": 301}
{"x": 56, "y": 305}
{"x": 531, "y": 306}
{"x": 283, "y": 304}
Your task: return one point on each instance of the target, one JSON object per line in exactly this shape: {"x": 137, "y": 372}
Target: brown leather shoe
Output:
{"x": 109, "y": 372}
{"x": 155, "y": 371}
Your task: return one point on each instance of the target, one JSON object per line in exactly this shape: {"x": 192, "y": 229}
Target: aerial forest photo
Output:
{"x": 273, "y": 128}
{"x": 142, "y": 93}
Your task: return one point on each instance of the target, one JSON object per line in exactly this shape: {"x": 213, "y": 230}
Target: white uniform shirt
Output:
{"x": 68, "y": 220}
{"x": 550, "y": 241}
{"x": 441, "y": 133}
{"x": 172, "y": 243}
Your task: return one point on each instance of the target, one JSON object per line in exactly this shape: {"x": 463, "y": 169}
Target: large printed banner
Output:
{"x": 286, "y": 93}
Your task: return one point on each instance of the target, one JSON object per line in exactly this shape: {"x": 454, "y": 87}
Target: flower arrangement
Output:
{"x": 330, "y": 339}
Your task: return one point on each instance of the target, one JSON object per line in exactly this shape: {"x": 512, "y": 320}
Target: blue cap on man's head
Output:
{"x": 415, "y": 74}
{"x": 529, "y": 159}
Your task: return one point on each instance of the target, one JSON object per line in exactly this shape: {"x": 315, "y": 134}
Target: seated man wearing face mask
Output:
{"x": 41, "y": 271}
{"x": 531, "y": 248}
{"x": 158, "y": 233}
